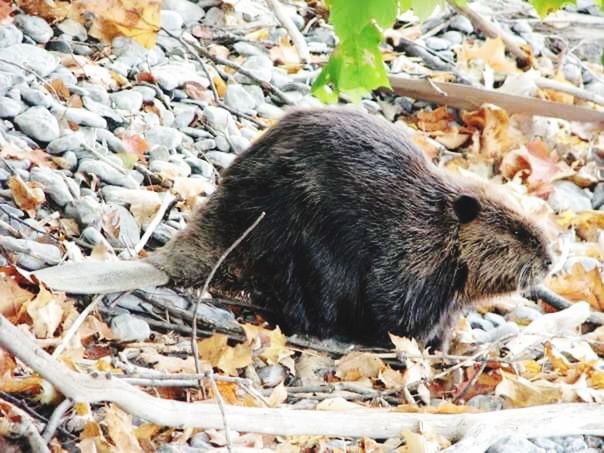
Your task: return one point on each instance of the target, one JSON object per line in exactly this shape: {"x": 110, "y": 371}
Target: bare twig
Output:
{"x": 75, "y": 326}
{"x": 165, "y": 204}
{"x": 551, "y": 298}
{"x": 220, "y": 402}
{"x": 55, "y": 419}
{"x": 549, "y": 84}
{"x": 493, "y": 31}
{"x": 294, "y": 33}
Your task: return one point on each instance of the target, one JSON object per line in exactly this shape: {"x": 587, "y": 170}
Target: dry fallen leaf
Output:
{"x": 273, "y": 344}
{"x": 26, "y": 195}
{"x": 224, "y": 357}
{"x": 587, "y": 224}
{"x": 12, "y": 296}
{"x": 496, "y": 135}
{"x": 579, "y": 284}
{"x": 492, "y": 52}
{"x": 359, "y": 365}
{"x": 120, "y": 429}
{"x": 46, "y": 312}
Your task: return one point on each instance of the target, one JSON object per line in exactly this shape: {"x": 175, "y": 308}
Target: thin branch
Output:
{"x": 575, "y": 91}
{"x": 560, "y": 303}
{"x": 26, "y": 428}
{"x": 55, "y": 419}
{"x": 165, "y": 204}
{"x": 292, "y": 30}
{"x": 75, "y": 326}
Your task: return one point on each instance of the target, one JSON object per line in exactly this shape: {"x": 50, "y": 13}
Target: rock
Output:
{"x": 462, "y": 24}
{"x": 35, "y": 58}
{"x": 487, "y": 403}
{"x": 524, "y": 314}
{"x": 536, "y": 41}
{"x": 478, "y": 322}
{"x": 222, "y": 143}
{"x": 6, "y": 82}
{"x": 84, "y": 117}
{"x": 147, "y": 92}
{"x": 38, "y": 123}
{"x": 239, "y": 99}
{"x": 173, "y": 75}
{"x": 598, "y": 198}
{"x": 218, "y": 118}
{"x": 201, "y": 167}
{"x": 86, "y": 211}
{"x": 269, "y": 111}
{"x": 107, "y": 173}
{"x": 258, "y": 65}
{"x": 169, "y": 168}
{"x": 437, "y": 44}
{"x": 572, "y": 73}
{"x": 126, "y": 327}
{"x": 166, "y": 136}
{"x": 171, "y": 21}
{"x": 105, "y": 136}
{"x": 206, "y": 144}
{"x": 10, "y": 35}
{"x": 514, "y": 444}
{"x": 34, "y": 27}
{"x": 547, "y": 444}
{"x": 272, "y": 375}
{"x": 454, "y": 37}
{"x": 220, "y": 159}
{"x": 188, "y": 11}
{"x": 480, "y": 336}
{"x": 163, "y": 233}
{"x": 214, "y": 17}
{"x": 495, "y": 319}
{"x": 53, "y": 184}
{"x": 9, "y": 108}
{"x": 239, "y": 144}
{"x": 506, "y": 330}
{"x": 73, "y": 28}
{"x": 129, "y": 100}
{"x": 36, "y": 97}
{"x": 35, "y": 254}
{"x": 248, "y": 49}
{"x": 567, "y": 196}
{"x": 522, "y": 26}
{"x": 103, "y": 110}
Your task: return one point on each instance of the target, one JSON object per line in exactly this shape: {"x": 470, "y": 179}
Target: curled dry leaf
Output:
{"x": 120, "y": 430}
{"x": 588, "y": 225}
{"x": 492, "y": 52}
{"x": 26, "y": 195}
{"x": 523, "y": 393}
{"x": 496, "y": 134}
{"x": 46, "y": 313}
{"x": 12, "y": 296}
{"x": 580, "y": 285}
{"x": 357, "y": 365}
{"x": 270, "y": 345}
{"x": 536, "y": 165}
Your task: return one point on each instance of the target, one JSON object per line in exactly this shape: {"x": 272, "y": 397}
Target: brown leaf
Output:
{"x": 435, "y": 120}
{"x": 273, "y": 344}
{"x": 120, "y": 429}
{"x": 46, "y": 312}
{"x": 587, "y": 224}
{"x": 57, "y": 87}
{"x": 26, "y": 196}
{"x": 135, "y": 144}
{"x": 12, "y": 296}
{"x": 492, "y": 52}
{"x": 358, "y": 365}
{"x": 220, "y": 355}
{"x": 579, "y": 284}
{"x": 494, "y": 126}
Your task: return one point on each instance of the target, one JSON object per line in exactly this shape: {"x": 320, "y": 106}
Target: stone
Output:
{"x": 218, "y": 118}
{"x": 567, "y": 196}
{"x": 38, "y": 123}
{"x": 189, "y": 12}
{"x": 598, "y": 198}
{"x": 524, "y": 314}
{"x": 478, "y": 322}
{"x": 522, "y": 26}
{"x": 85, "y": 210}
{"x": 73, "y": 28}
{"x": 34, "y": 27}
{"x": 107, "y": 173}
{"x": 9, "y": 108}
{"x": 10, "y": 35}
{"x": 437, "y": 44}
{"x": 462, "y": 24}
{"x": 248, "y": 49}
{"x": 239, "y": 99}
{"x": 507, "y": 330}
{"x": 514, "y": 444}
{"x": 129, "y": 100}
{"x": 495, "y": 319}
{"x": 220, "y": 159}
{"x": 260, "y": 66}
{"x": 34, "y": 96}
{"x": 126, "y": 327}
{"x": 272, "y": 375}
{"x": 84, "y": 117}
{"x": 169, "y": 168}
{"x": 147, "y": 92}
{"x": 105, "y": 136}
{"x": 222, "y": 143}
{"x": 53, "y": 184}
{"x": 239, "y": 144}
{"x": 206, "y": 144}
{"x": 35, "y": 58}
{"x": 487, "y": 403}
{"x": 173, "y": 75}
{"x": 269, "y": 111}
{"x": 171, "y": 21}
{"x": 166, "y": 136}
{"x": 35, "y": 255}
{"x": 103, "y": 110}
{"x": 572, "y": 73}
{"x": 454, "y": 37}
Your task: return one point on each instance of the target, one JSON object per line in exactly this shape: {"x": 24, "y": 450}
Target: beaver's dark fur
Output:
{"x": 362, "y": 235}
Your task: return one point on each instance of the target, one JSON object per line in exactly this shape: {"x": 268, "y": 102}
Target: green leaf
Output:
{"x": 544, "y": 7}
{"x": 423, "y": 8}
{"x": 355, "y": 68}
{"x": 128, "y": 159}
{"x": 350, "y": 17}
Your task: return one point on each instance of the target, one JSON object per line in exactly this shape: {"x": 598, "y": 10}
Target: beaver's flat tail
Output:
{"x": 101, "y": 277}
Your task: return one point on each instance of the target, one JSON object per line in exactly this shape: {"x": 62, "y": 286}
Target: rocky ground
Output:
{"x": 96, "y": 138}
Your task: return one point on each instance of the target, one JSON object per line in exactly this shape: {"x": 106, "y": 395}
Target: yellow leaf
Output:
{"x": 220, "y": 355}
{"x": 523, "y": 393}
{"x": 121, "y": 431}
{"x": 12, "y": 296}
{"x": 273, "y": 344}
{"x": 596, "y": 380}
{"x": 558, "y": 361}
{"x": 46, "y": 312}
{"x": 358, "y": 365}
{"x": 579, "y": 284}
{"x": 277, "y": 396}
{"x": 27, "y": 196}
{"x": 492, "y": 52}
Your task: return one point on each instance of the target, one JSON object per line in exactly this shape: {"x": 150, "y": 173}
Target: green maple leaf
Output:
{"x": 544, "y": 7}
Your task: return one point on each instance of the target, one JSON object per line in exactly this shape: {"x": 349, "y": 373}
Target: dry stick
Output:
{"x": 75, "y": 326}
{"x": 204, "y": 290}
{"x": 294, "y": 33}
{"x": 492, "y": 31}
{"x": 560, "y": 303}
{"x": 549, "y": 84}
{"x": 537, "y": 421}
{"x": 26, "y": 428}
{"x": 472, "y": 98}
{"x": 168, "y": 199}
{"x": 55, "y": 419}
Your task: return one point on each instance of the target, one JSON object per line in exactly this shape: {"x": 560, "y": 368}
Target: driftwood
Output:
{"x": 476, "y": 430}
{"x": 471, "y": 98}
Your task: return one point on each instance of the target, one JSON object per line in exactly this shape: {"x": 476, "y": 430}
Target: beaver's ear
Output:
{"x": 466, "y": 208}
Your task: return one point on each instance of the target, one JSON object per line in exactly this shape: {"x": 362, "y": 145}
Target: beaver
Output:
{"x": 363, "y": 235}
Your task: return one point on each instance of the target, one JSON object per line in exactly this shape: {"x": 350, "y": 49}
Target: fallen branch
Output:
{"x": 486, "y": 428}
{"x": 292, "y": 30}
{"x": 577, "y": 92}
{"x": 471, "y": 98}
{"x": 492, "y": 30}
{"x": 560, "y": 303}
